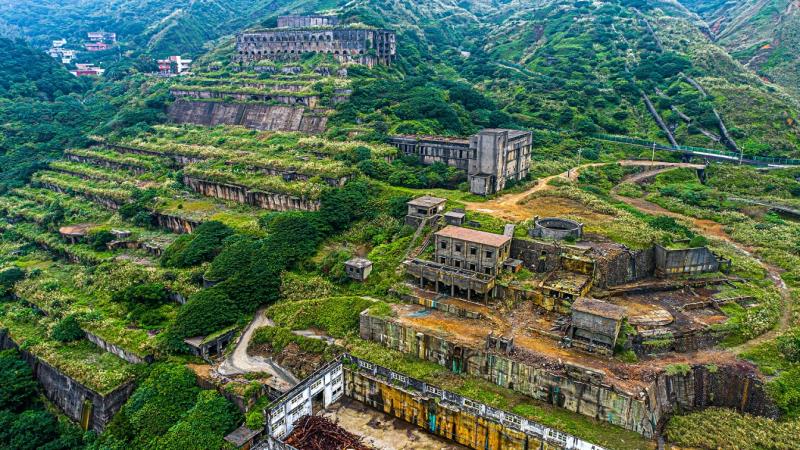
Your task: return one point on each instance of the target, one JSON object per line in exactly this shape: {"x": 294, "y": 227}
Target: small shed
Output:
{"x": 455, "y": 217}
{"x": 75, "y": 233}
{"x": 358, "y": 268}
{"x": 120, "y": 234}
{"x": 596, "y": 324}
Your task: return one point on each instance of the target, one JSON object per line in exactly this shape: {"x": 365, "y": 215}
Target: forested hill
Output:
{"x": 764, "y": 36}
{"x": 584, "y": 66}
{"x": 161, "y": 27}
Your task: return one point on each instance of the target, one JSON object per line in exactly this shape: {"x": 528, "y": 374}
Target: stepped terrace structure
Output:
{"x": 297, "y": 35}
{"x": 491, "y": 158}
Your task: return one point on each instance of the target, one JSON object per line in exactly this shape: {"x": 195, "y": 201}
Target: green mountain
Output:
{"x": 763, "y": 35}
{"x": 161, "y": 27}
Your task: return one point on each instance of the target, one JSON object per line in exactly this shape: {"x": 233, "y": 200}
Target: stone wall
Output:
{"x": 538, "y": 256}
{"x": 257, "y": 116}
{"x": 240, "y": 194}
{"x": 102, "y": 201}
{"x": 72, "y": 397}
{"x": 177, "y": 158}
{"x": 581, "y": 389}
{"x": 626, "y": 266}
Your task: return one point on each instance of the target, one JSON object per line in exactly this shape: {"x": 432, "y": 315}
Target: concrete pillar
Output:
{"x": 469, "y": 293}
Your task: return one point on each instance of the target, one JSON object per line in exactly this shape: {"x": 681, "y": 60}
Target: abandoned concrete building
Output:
{"x": 424, "y": 209}
{"x": 475, "y": 250}
{"x": 595, "y": 325}
{"x": 358, "y": 268}
{"x": 297, "y": 35}
{"x": 492, "y": 158}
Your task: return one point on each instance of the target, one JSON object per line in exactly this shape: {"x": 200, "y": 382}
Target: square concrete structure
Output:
{"x": 595, "y": 324}
{"x": 358, "y": 268}
{"x": 473, "y": 250}
{"x": 423, "y": 208}
{"x": 455, "y": 218}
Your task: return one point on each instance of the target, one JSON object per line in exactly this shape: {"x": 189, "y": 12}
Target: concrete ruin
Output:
{"x": 595, "y": 325}
{"x": 423, "y": 210}
{"x": 92, "y": 410}
{"x": 211, "y": 346}
{"x": 492, "y": 158}
{"x": 240, "y": 194}
{"x": 358, "y": 268}
{"x": 440, "y": 412}
{"x": 258, "y": 116}
{"x": 298, "y": 35}
{"x": 557, "y": 229}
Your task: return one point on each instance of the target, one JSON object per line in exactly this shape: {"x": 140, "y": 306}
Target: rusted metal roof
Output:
{"x": 470, "y": 235}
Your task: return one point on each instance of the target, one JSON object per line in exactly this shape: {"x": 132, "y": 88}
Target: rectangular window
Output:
{"x": 457, "y": 264}
{"x": 443, "y": 260}
{"x": 473, "y": 251}
{"x": 443, "y": 245}
{"x": 458, "y": 247}
{"x": 472, "y": 267}
{"x": 489, "y": 254}
{"x": 488, "y": 270}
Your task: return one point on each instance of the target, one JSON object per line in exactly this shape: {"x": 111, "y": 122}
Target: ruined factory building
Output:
{"x": 297, "y": 35}
{"x": 491, "y": 158}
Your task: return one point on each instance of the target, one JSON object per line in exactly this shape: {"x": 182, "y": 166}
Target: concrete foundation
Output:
{"x": 258, "y": 116}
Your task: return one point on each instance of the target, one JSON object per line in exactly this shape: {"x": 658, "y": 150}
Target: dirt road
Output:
{"x": 239, "y": 362}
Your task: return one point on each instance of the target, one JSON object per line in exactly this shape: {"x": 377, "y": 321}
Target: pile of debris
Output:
{"x": 319, "y": 433}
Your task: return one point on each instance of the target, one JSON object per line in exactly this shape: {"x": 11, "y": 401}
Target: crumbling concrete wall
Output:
{"x": 240, "y": 194}
{"x": 624, "y": 266}
{"x": 175, "y": 224}
{"x": 537, "y": 256}
{"x": 424, "y": 412}
{"x": 72, "y": 397}
{"x": 258, "y": 116}
{"x": 581, "y": 389}
{"x": 102, "y": 201}
{"x": 683, "y": 261}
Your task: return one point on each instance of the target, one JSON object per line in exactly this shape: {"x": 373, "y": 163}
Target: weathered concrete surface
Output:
{"x": 384, "y": 431}
{"x": 116, "y": 350}
{"x": 250, "y": 115}
{"x": 136, "y": 170}
{"x": 447, "y": 422}
{"x": 640, "y": 400}
{"x": 175, "y": 224}
{"x": 72, "y": 397}
{"x": 241, "y": 194}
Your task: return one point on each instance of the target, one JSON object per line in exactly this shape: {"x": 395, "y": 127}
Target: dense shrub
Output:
{"x": 207, "y": 311}
{"x": 200, "y": 246}
{"x": 67, "y": 330}
{"x": 98, "y": 239}
{"x": 336, "y": 315}
{"x": 789, "y": 345}
{"x": 204, "y": 426}
{"x": 278, "y": 338}
{"x": 8, "y": 277}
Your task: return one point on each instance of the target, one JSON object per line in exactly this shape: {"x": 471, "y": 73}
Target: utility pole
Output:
{"x": 653, "y": 155}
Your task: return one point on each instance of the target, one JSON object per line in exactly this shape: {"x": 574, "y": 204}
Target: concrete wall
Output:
{"x": 538, "y": 256}
{"x": 116, "y": 350}
{"x": 250, "y": 115}
{"x": 136, "y": 170}
{"x": 240, "y": 194}
{"x": 580, "y": 390}
{"x": 175, "y": 224}
{"x": 310, "y": 101}
{"x": 624, "y": 267}
{"x": 688, "y": 260}
{"x": 70, "y": 395}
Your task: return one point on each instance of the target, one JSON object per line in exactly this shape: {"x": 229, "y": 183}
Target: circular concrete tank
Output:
{"x": 556, "y": 229}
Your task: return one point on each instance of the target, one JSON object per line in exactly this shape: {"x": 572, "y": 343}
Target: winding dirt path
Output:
{"x": 239, "y": 362}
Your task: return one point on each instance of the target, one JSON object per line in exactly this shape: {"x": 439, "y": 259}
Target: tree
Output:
{"x": 67, "y": 330}
{"x": 204, "y": 426}
{"x": 200, "y": 246}
{"x": 17, "y": 386}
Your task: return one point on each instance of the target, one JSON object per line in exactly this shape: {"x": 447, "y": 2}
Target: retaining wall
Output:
{"x": 72, "y": 397}
{"x": 240, "y": 194}
{"x": 116, "y": 350}
{"x": 581, "y": 389}
{"x": 250, "y": 115}
{"x": 175, "y": 224}
{"x": 136, "y": 170}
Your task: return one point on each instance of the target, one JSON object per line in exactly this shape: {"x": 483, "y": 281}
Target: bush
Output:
{"x": 278, "y": 338}
{"x": 204, "y": 426}
{"x": 8, "y": 278}
{"x": 789, "y": 345}
{"x": 67, "y": 330}
{"x": 337, "y": 316}
{"x": 17, "y": 386}
{"x": 200, "y": 246}
{"x": 207, "y": 311}
{"x": 99, "y": 239}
